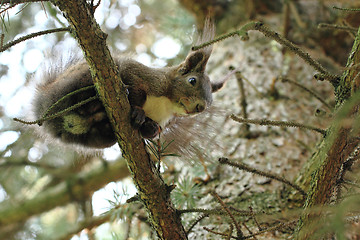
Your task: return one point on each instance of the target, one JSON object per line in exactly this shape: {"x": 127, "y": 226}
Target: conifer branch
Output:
{"x": 196, "y": 222}
{"x": 245, "y": 167}
{"x": 347, "y": 9}
{"x": 238, "y": 229}
{"x": 230, "y": 232}
{"x": 254, "y": 218}
{"x": 259, "y": 26}
{"x": 243, "y": 102}
{"x": 313, "y": 93}
{"x": 67, "y": 97}
{"x": 58, "y": 114}
{"x": 277, "y": 123}
{"x": 335, "y": 26}
{"x": 32, "y": 35}
{"x": 216, "y": 211}
{"x": 218, "y": 233}
{"x": 274, "y": 228}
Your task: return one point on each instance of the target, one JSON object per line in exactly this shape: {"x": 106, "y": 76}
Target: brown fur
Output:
{"x": 171, "y": 91}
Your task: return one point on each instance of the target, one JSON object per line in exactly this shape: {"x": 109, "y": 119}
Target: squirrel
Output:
{"x": 156, "y": 96}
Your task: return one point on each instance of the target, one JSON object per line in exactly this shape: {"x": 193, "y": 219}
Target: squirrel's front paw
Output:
{"x": 149, "y": 129}
{"x": 137, "y": 117}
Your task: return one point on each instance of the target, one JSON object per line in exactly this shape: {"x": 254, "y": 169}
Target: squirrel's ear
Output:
{"x": 217, "y": 86}
{"x": 195, "y": 62}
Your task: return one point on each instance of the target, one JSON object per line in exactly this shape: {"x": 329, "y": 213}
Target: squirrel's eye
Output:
{"x": 192, "y": 81}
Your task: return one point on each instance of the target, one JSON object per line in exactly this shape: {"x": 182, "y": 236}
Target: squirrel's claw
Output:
{"x": 137, "y": 117}
{"x": 147, "y": 127}
{"x": 150, "y": 128}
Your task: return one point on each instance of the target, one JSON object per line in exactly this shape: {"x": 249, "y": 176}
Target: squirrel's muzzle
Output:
{"x": 193, "y": 106}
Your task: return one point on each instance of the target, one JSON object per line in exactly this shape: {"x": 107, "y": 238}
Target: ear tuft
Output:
{"x": 194, "y": 62}
{"x": 207, "y": 35}
{"x": 197, "y": 60}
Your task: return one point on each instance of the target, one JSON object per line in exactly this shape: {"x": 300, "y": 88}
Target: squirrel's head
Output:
{"x": 191, "y": 86}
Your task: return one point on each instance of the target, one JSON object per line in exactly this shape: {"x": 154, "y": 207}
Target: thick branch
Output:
{"x": 89, "y": 224}
{"x": 80, "y": 186}
{"x": 334, "y": 149}
{"x": 151, "y": 188}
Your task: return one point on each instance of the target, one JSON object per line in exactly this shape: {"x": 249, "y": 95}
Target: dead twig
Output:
{"x": 277, "y": 123}
{"x": 247, "y": 168}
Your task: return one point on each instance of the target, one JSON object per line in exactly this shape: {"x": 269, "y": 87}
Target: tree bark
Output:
{"x": 152, "y": 190}
{"x": 325, "y": 165}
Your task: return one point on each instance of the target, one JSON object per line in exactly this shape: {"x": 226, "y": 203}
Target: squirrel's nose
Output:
{"x": 200, "y": 107}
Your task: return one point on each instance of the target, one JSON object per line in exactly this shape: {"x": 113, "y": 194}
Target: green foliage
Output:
{"x": 159, "y": 149}
{"x": 186, "y": 193}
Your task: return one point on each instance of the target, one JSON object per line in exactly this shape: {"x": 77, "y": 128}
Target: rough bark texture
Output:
{"x": 333, "y": 150}
{"x": 152, "y": 190}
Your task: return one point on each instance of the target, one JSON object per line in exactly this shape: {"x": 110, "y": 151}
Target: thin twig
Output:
{"x": 259, "y": 26}
{"x": 66, "y": 97}
{"x": 316, "y": 95}
{"x": 244, "y": 212}
{"x": 247, "y": 168}
{"x": 2, "y": 40}
{"x": 128, "y": 227}
{"x": 277, "y": 123}
{"x": 277, "y": 227}
{"x": 7, "y": 8}
{"x": 218, "y": 233}
{"x": 250, "y": 232}
{"x": 27, "y": 163}
{"x": 21, "y": 1}
{"x": 335, "y": 26}
{"x": 238, "y": 229}
{"x": 298, "y": 51}
{"x": 347, "y": 9}
{"x": 196, "y": 222}
{"x": 351, "y": 184}
{"x": 346, "y": 166}
{"x": 233, "y": 70}
{"x": 32, "y": 35}
{"x": 286, "y": 21}
{"x": 58, "y": 114}
{"x": 254, "y": 218}
{"x": 243, "y": 102}
{"x": 296, "y": 15}
{"x": 231, "y": 229}
{"x": 45, "y": 116}
{"x": 215, "y": 211}
{"x": 242, "y": 33}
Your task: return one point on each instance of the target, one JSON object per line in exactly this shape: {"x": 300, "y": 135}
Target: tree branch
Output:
{"x": 83, "y": 184}
{"x": 14, "y": 2}
{"x": 152, "y": 190}
{"x": 32, "y": 35}
{"x": 335, "y": 148}
{"x": 88, "y": 224}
